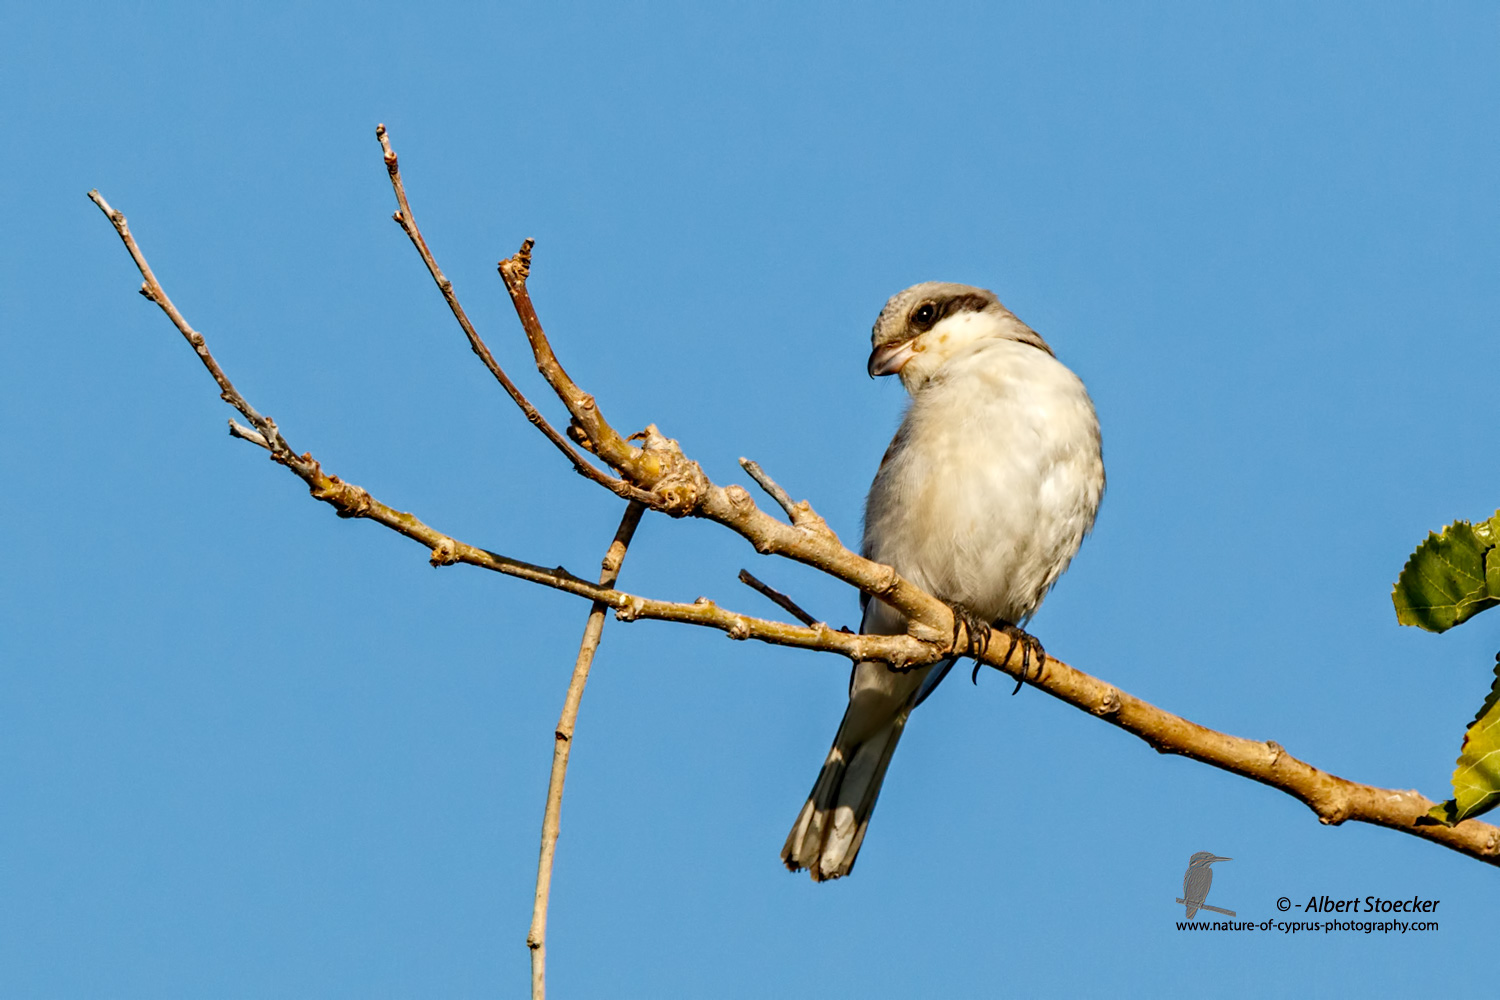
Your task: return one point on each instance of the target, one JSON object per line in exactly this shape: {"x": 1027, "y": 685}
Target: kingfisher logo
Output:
{"x": 1198, "y": 879}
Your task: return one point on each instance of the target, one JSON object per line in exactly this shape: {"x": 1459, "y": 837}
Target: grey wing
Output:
{"x": 1195, "y": 884}
{"x": 933, "y": 680}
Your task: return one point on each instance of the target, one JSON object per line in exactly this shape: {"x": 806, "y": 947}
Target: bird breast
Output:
{"x": 991, "y": 482}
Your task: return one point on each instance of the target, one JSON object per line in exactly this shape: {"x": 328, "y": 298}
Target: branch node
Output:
{"x": 1160, "y": 745}
{"x": 444, "y": 553}
{"x": 738, "y": 629}
{"x": 1109, "y": 704}
{"x": 739, "y": 497}
{"x": 681, "y": 488}
{"x": 1332, "y": 809}
{"x": 346, "y": 499}
{"x": 580, "y": 437}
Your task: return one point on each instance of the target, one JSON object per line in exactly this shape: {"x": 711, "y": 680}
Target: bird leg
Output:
{"x": 1029, "y": 644}
{"x": 974, "y": 631}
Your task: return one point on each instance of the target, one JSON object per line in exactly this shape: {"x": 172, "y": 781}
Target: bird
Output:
{"x": 1196, "y": 882}
{"x": 984, "y": 496}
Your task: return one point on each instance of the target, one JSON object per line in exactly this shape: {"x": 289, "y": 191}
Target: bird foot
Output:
{"x": 1030, "y": 646}
{"x": 974, "y": 632}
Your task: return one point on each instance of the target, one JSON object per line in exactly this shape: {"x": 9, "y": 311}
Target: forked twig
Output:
{"x": 408, "y": 223}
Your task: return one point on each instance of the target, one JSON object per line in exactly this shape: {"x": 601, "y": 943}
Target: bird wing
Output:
{"x": 932, "y": 680}
{"x": 1196, "y": 882}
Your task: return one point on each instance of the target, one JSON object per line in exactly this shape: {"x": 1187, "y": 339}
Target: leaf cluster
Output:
{"x": 1450, "y": 578}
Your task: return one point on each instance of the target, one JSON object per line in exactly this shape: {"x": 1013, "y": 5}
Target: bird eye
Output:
{"x": 924, "y": 315}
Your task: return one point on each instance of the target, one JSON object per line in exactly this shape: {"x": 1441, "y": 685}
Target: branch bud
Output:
{"x": 445, "y": 553}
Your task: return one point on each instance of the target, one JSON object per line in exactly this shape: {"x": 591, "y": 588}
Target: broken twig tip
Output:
{"x": 519, "y": 265}
{"x": 239, "y": 430}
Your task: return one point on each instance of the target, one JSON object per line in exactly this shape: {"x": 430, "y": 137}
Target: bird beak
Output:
{"x": 889, "y": 359}
{"x": 1223, "y": 859}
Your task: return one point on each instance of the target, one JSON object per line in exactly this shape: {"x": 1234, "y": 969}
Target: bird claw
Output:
{"x": 975, "y": 633}
{"x": 1030, "y": 646}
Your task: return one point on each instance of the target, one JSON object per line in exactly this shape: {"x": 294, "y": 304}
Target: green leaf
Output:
{"x": 1451, "y": 577}
{"x": 1476, "y": 781}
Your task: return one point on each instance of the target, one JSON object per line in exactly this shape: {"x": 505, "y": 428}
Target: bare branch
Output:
{"x": 784, "y": 602}
{"x": 151, "y": 289}
{"x": 679, "y": 487}
{"x": 408, "y": 224}
{"x": 536, "y": 938}
{"x": 351, "y": 501}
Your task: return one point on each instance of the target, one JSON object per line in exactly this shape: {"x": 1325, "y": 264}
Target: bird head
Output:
{"x": 1203, "y": 859}
{"x": 924, "y": 327}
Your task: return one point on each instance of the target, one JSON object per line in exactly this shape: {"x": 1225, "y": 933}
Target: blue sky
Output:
{"x": 249, "y": 749}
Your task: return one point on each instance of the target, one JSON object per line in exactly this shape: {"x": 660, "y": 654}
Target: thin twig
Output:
{"x": 784, "y": 602}
{"x": 408, "y": 223}
{"x": 604, "y": 440}
{"x": 271, "y": 438}
{"x": 536, "y": 938}
{"x": 772, "y": 488}
{"x": 239, "y": 430}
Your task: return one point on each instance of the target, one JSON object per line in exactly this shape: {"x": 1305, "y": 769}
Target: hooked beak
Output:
{"x": 891, "y": 358}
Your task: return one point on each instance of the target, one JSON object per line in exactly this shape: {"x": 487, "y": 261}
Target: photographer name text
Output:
{"x": 1370, "y": 904}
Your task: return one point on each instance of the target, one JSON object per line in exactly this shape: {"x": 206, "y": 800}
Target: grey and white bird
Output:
{"x": 1196, "y": 882}
{"x": 982, "y": 500}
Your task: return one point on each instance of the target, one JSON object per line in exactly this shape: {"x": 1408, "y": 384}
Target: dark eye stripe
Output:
{"x": 965, "y": 303}
{"x": 940, "y": 310}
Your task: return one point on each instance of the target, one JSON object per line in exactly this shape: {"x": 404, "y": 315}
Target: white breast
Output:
{"x": 991, "y": 482}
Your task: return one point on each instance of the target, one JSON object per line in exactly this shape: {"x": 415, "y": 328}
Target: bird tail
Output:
{"x": 829, "y": 830}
